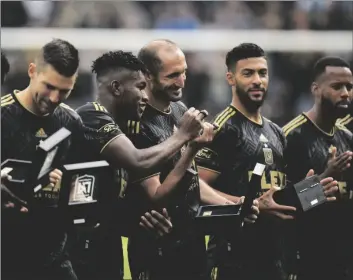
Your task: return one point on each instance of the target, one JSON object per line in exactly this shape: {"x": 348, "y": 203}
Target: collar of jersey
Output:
{"x": 14, "y": 94}
{"x": 162, "y": 112}
{"x": 318, "y": 128}
{"x": 256, "y": 123}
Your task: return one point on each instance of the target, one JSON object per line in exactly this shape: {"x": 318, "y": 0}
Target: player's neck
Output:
{"x": 324, "y": 120}
{"x": 109, "y": 104}
{"x": 252, "y": 116}
{"x": 25, "y": 98}
{"x": 161, "y": 105}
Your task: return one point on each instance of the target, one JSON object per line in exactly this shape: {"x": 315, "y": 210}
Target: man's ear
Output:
{"x": 116, "y": 87}
{"x": 32, "y": 70}
{"x": 315, "y": 89}
{"x": 230, "y": 78}
{"x": 148, "y": 76}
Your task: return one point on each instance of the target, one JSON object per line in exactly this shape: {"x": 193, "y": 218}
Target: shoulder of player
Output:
{"x": 180, "y": 106}
{"x": 67, "y": 111}
{"x": 92, "y": 107}
{"x": 222, "y": 119}
{"x": 344, "y": 121}
{"x": 273, "y": 125}
{"x": 8, "y": 102}
{"x": 340, "y": 128}
{"x": 93, "y": 110}
{"x": 295, "y": 126}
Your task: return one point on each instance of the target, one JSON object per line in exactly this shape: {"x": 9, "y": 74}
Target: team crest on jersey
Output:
{"x": 84, "y": 187}
{"x": 330, "y": 149}
{"x": 268, "y": 155}
{"x": 41, "y": 133}
{"x": 108, "y": 127}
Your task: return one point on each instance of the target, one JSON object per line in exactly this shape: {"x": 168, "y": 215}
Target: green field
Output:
{"x": 127, "y": 274}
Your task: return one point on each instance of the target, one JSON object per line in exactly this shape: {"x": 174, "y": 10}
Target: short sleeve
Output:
{"x": 98, "y": 127}
{"x": 211, "y": 156}
{"x": 295, "y": 158}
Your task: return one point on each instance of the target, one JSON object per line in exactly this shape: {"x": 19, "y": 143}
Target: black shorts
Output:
{"x": 97, "y": 254}
{"x": 175, "y": 260}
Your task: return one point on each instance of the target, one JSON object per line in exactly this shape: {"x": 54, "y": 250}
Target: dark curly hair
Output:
{"x": 115, "y": 61}
{"x": 243, "y": 51}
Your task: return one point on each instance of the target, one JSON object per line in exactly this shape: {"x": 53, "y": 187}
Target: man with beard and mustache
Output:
{"x": 324, "y": 234}
{"x": 180, "y": 255}
{"x": 245, "y": 138}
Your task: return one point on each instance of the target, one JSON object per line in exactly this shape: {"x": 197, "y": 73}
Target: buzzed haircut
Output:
{"x": 148, "y": 55}
{"x": 322, "y": 63}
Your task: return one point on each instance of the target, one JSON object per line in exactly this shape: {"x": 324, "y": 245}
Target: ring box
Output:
{"x": 222, "y": 219}
{"x": 304, "y": 195}
{"x": 84, "y": 185}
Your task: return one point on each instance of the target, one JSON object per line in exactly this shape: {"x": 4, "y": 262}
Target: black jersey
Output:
{"x": 42, "y": 230}
{"x": 181, "y": 254}
{"x": 95, "y": 116}
{"x": 238, "y": 145}
{"x": 105, "y": 245}
{"x": 21, "y": 131}
{"x": 308, "y": 147}
{"x": 154, "y": 128}
{"x": 347, "y": 121}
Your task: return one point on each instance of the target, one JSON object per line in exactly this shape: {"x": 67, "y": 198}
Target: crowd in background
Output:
{"x": 206, "y": 85}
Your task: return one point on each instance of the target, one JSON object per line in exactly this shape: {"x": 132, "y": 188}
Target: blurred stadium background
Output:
{"x": 294, "y": 34}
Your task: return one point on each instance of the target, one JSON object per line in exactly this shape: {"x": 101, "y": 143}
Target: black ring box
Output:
{"x": 304, "y": 195}
{"x": 227, "y": 219}
{"x": 84, "y": 185}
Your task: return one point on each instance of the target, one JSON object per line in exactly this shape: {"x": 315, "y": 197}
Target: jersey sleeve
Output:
{"x": 211, "y": 157}
{"x": 296, "y": 158}
{"x": 98, "y": 127}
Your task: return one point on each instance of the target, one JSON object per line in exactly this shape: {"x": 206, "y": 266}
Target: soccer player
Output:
{"x": 244, "y": 138}
{"x": 315, "y": 142}
{"x": 5, "y": 67}
{"x": 120, "y": 104}
{"x": 181, "y": 255}
{"x": 34, "y": 243}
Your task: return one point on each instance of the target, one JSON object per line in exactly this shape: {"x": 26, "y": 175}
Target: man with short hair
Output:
{"x": 34, "y": 243}
{"x": 120, "y": 104}
{"x": 314, "y": 141}
{"x": 176, "y": 185}
{"x": 243, "y": 139}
